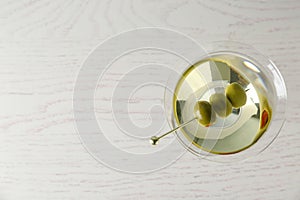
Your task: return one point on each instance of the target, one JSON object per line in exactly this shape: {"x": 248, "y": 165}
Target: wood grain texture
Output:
{"x": 42, "y": 45}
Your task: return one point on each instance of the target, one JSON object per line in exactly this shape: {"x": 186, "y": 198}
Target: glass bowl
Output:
{"x": 247, "y": 130}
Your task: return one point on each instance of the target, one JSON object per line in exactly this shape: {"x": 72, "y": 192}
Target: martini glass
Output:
{"x": 247, "y": 130}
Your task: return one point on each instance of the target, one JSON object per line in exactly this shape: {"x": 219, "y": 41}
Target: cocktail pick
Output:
{"x": 155, "y": 139}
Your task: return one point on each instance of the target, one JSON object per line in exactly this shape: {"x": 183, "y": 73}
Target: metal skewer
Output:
{"x": 154, "y": 139}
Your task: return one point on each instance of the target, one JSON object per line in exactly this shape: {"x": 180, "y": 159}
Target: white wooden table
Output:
{"x": 42, "y": 46}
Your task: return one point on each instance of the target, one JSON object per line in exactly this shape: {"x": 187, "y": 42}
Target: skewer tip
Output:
{"x": 154, "y": 140}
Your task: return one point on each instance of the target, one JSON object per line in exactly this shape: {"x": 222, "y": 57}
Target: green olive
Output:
{"x": 220, "y": 104}
{"x": 236, "y": 95}
{"x": 204, "y": 112}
